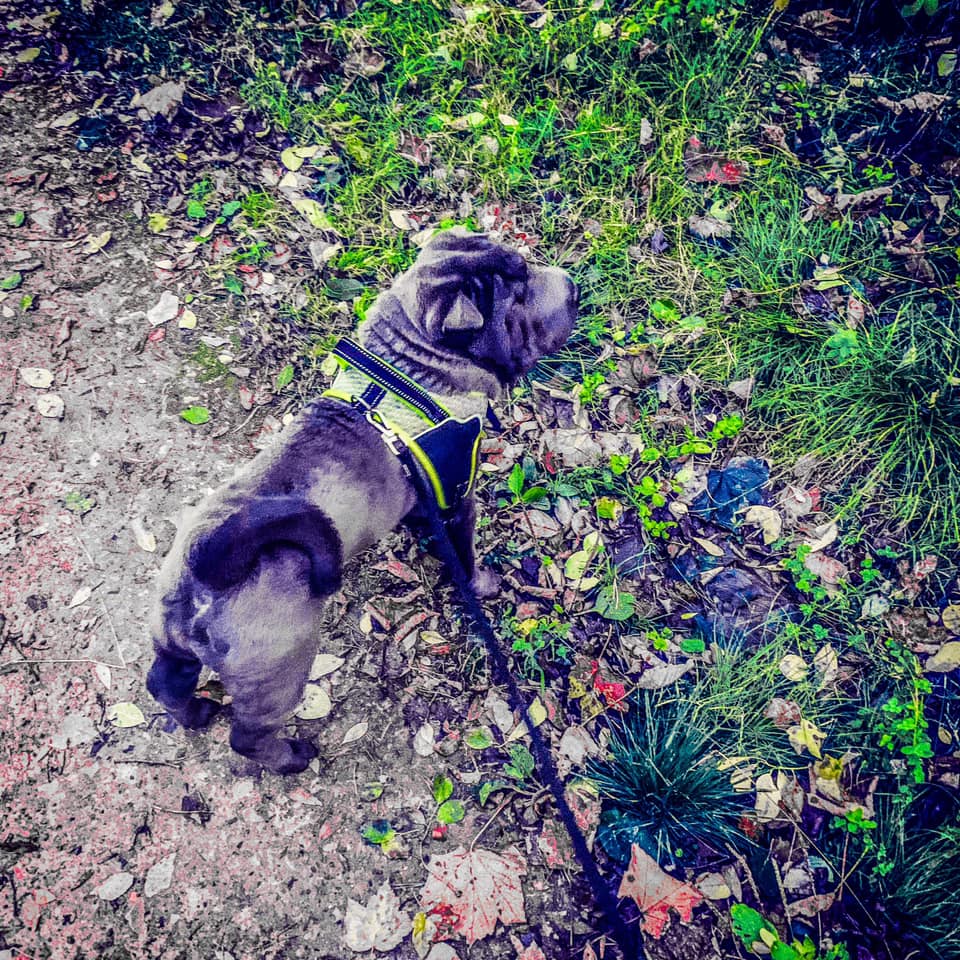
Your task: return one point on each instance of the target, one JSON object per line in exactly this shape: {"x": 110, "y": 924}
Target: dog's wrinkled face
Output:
{"x": 487, "y": 303}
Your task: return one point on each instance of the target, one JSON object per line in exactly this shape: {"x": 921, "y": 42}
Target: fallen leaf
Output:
{"x": 424, "y": 739}
{"x": 159, "y": 876}
{"x": 315, "y": 703}
{"x": 709, "y": 546}
{"x": 741, "y": 776}
{"x": 947, "y": 658}
{"x": 380, "y": 925}
{"x": 166, "y": 308}
{"x": 663, "y": 676}
{"x": 768, "y": 519}
{"x": 782, "y": 713}
{"x": 67, "y": 119}
{"x": 540, "y": 524}
{"x": 951, "y": 618}
{"x": 828, "y": 569}
{"x": 115, "y": 886}
{"x": 293, "y": 157}
{"x": 324, "y": 664}
{"x": 103, "y": 674}
{"x": 713, "y": 886}
{"x": 81, "y": 596}
{"x": 97, "y": 243}
{"x": 312, "y": 211}
{"x": 767, "y": 807}
{"x": 806, "y": 736}
{"x": 656, "y": 892}
{"x": 708, "y": 228}
{"x": 823, "y": 535}
{"x": 356, "y": 732}
{"x": 188, "y": 320}
{"x": 923, "y": 101}
{"x": 146, "y": 541}
{"x": 811, "y": 906}
{"x": 537, "y": 712}
{"x": 533, "y": 952}
{"x": 825, "y": 663}
{"x": 125, "y": 715}
{"x": 576, "y": 745}
{"x": 38, "y": 377}
{"x": 876, "y": 605}
{"x": 164, "y": 98}
{"x": 794, "y": 668}
{"x": 50, "y": 405}
{"x": 475, "y": 889}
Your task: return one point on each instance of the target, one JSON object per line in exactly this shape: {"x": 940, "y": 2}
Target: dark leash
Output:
{"x": 426, "y": 459}
{"x": 627, "y": 940}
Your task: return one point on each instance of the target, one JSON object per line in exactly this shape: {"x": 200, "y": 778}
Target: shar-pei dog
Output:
{"x": 243, "y": 586}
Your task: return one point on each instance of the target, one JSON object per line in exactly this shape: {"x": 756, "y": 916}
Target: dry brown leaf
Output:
{"x": 656, "y": 892}
{"x": 782, "y": 713}
{"x": 768, "y": 519}
{"x": 707, "y": 227}
{"x": 663, "y": 676}
{"x": 476, "y": 888}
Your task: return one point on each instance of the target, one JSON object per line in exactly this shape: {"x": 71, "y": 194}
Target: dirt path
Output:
{"x": 139, "y": 841}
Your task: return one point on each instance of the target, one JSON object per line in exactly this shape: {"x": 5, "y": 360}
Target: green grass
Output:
{"x": 584, "y": 121}
{"x": 887, "y": 396}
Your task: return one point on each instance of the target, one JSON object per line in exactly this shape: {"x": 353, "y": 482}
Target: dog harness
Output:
{"x": 417, "y": 429}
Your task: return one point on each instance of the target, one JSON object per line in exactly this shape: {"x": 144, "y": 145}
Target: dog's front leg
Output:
{"x": 461, "y": 528}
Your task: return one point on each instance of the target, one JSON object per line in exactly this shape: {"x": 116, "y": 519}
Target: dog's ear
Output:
{"x": 463, "y": 316}
{"x": 468, "y": 280}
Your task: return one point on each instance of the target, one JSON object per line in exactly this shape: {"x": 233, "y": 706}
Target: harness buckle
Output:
{"x": 393, "y": 442}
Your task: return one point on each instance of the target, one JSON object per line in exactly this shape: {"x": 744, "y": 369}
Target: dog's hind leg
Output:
{"x": 267, "y": 632}
{"x": 261, "y": 705}
{"x": 178, "y": 637}
{"x": 172, "y": 681}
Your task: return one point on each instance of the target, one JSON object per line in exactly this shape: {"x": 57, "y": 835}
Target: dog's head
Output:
{"x": 489, "y": 305}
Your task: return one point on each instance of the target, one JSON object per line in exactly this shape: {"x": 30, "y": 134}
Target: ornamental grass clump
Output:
{"x": 926, "y": 891}
{"x": 661, "y": 787}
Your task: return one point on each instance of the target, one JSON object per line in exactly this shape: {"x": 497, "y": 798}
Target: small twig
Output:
{"x": 748, "y": 874}
{"x": 783, "y": 893}
{"x": 106, "y": 612}
{"x": 102, "y": 663}
{"x": 493, "y": 816}
{"x": 176, "y": 764}
{"x": 240, "y": 426}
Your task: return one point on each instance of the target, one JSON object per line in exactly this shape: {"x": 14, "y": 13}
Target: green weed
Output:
{"x": 211, "y": 366}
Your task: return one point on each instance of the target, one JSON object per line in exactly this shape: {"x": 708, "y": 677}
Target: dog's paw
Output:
{"x": 278, "y": 755}
{"x": 485, "y": 583}
{"x": 300, "y": 753}
{"x": 198, "y": 713}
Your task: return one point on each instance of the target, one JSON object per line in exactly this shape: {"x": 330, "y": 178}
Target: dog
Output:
{"x": 243, "y": 586}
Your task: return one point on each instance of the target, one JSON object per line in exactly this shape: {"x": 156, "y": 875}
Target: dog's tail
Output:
{"x": 227, "y": 554}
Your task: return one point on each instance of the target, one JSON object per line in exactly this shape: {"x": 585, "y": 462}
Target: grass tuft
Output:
{"x": 661, "y": 787}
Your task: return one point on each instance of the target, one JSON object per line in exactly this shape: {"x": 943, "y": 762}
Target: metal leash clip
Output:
{"x": 393, "y": 442}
